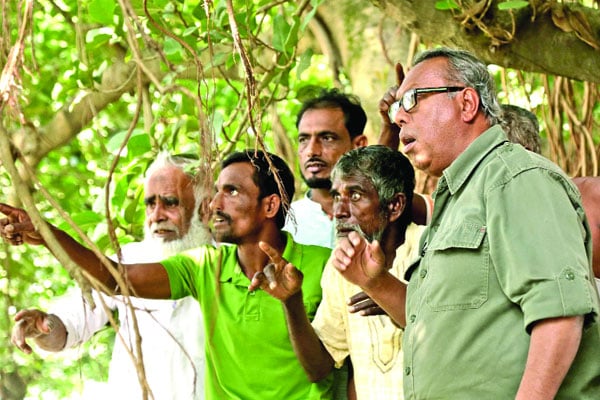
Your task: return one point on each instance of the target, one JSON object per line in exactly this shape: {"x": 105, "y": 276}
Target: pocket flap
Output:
{"x": 466, "y": 235}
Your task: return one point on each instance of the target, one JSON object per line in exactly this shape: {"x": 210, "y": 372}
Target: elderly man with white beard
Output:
{"x": 171, "y": 331}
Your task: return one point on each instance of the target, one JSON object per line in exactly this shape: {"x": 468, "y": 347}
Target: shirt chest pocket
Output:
{"x": 457, "y": 268}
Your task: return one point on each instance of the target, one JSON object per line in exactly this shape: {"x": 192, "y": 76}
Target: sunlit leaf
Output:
{"x": 512, "y": 4}
{"x": 102, "y": 11}
{"x": 446, "y": 5}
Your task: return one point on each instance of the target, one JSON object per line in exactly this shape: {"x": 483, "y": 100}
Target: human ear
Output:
{"x": 360, "y": 141}
{"x": 272, "y": 204}
{"x": 396, "y": 206}
{"x": 470, "y": 103}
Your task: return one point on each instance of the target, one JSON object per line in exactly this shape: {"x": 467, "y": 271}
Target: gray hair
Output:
{"x": 465, "y": 68}
{"x": 521, "y": 126}
{"x": 165, "y": 159}
{"x": 389, "y": 171}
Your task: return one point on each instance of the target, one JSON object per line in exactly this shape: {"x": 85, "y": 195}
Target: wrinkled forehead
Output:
{"x": 352, "y": 181}
{"x": 170, "y": 181}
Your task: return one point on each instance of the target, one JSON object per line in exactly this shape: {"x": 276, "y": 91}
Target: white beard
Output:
{"x": 197, "y": 235}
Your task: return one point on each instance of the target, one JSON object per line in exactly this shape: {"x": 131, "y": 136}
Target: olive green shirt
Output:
{"x": 508, "y": 245}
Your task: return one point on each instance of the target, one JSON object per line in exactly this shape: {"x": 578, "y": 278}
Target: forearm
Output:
{"x": 309, "y": 349}
{"x": 389, "y": 136}
{"x": 390, "y": 294}
{"x": 84, "y": 257}
{"x": 554, "y": 344}
{"x": 54, "y": 340}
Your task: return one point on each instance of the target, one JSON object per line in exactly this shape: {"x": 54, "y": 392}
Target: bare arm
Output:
{"x": 554, "y": 344}
{"x": 147, "y": 280}
{"x": 284, "y": 282}
{"x": 363, "y": 264}
{"x": 46, "y": 330}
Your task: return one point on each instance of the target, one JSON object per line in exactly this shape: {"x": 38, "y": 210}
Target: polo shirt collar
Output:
{"x": 459, "y": 171}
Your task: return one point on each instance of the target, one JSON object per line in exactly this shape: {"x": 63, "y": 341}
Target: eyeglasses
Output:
{"x": 409, "y": 99}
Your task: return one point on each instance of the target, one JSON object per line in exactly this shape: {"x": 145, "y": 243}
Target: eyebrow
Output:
{"x": 320, "y": 133}
{"x": 168, "y": 200}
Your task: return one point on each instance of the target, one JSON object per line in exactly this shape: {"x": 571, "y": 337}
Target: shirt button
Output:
{"x": 252, "y": 293}
{"x": 569, "y": 275}
{"x": 413, "y": 318}
{"x": 407, "y": 371}
{"x": 423, "y": 273}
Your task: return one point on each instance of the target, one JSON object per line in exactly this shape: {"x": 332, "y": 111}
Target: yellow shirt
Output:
{"x": 374, "y": 342}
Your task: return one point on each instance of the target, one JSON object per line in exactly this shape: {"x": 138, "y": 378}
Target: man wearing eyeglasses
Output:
{"x": 502, "y": 302}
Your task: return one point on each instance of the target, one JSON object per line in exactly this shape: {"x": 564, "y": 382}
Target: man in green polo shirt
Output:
{"x": 502, "y": 304}
{"x": 248, "y": 351}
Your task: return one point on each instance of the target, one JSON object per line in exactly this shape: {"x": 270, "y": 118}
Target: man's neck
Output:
{"x": 323, "y": 197}
{"x": 251, "y": 258}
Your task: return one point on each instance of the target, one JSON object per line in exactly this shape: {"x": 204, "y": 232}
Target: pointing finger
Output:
{"x": 271, "y": 252}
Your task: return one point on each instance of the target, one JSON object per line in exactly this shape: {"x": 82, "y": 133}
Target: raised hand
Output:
{"x": 37, "y": 325}
{"x": 359, "y": 261}
{"x": 388, "y": 135}
{"x": 17, "y": 227}
{"x": 279, "y": 278}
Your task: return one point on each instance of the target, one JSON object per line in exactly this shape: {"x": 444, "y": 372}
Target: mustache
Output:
{"x": 344, "y": 226}
{"x": 164, "y": 225}
{"x": 223, "y": 215}
{"x": 315, "y": 160}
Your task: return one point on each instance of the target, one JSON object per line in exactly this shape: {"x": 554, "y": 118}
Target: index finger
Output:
{"x": 399, "y": 74}
{"x": 271, "y": 252}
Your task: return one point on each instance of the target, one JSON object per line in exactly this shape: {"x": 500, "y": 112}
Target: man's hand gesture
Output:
{"x": 279, "y": 278}
{"x": 359, "y": 261}
{"x": 17, "y": 227}
{"x": 37, "y": 325}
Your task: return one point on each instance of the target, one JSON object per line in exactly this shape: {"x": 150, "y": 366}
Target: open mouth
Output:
{"x": 162, "y": 232}
{"x": 408, "y": 143}
{"x": 218, "y": 220}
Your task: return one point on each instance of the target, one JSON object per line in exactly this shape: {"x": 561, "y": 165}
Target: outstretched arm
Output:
{"x": 284, "y": 282}
{"x": 46, "y": 330}
{"x": 363, "y": 264}
{"x": 147, "y": 280}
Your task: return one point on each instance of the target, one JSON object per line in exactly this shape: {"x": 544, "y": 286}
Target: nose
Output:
{"x": 215, "y": 203}
{"x": 400, "y": 117}
{"x": 313, "y": 147}
{"x": 157, "y": 213}
{"x": 341, "y": 211}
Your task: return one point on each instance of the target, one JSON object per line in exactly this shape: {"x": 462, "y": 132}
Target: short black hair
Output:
{"x": 355, "y": 117}
{"x": 266, "y": 167}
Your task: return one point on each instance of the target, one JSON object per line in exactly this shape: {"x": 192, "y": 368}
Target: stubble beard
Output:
{"x": 317, "y": 183}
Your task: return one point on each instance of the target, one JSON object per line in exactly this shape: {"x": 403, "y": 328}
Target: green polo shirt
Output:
{"x": 508, "y": 245}
{"x": 248, "y": 351}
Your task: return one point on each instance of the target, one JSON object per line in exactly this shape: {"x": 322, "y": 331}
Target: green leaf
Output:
{"x": 281, "y": 30}
{"x": 138, "y": 145}
{"x": 132, "y": 210}
{"x": 512, "y": 4}
{"x": 171, "y": 46}
{"x": 135, "y": 144}
{"x": 102, "y": 11}
{"x": 446, "y": 5}
{"x": 189, "y": 31}
{"x": 304, "y": 62}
